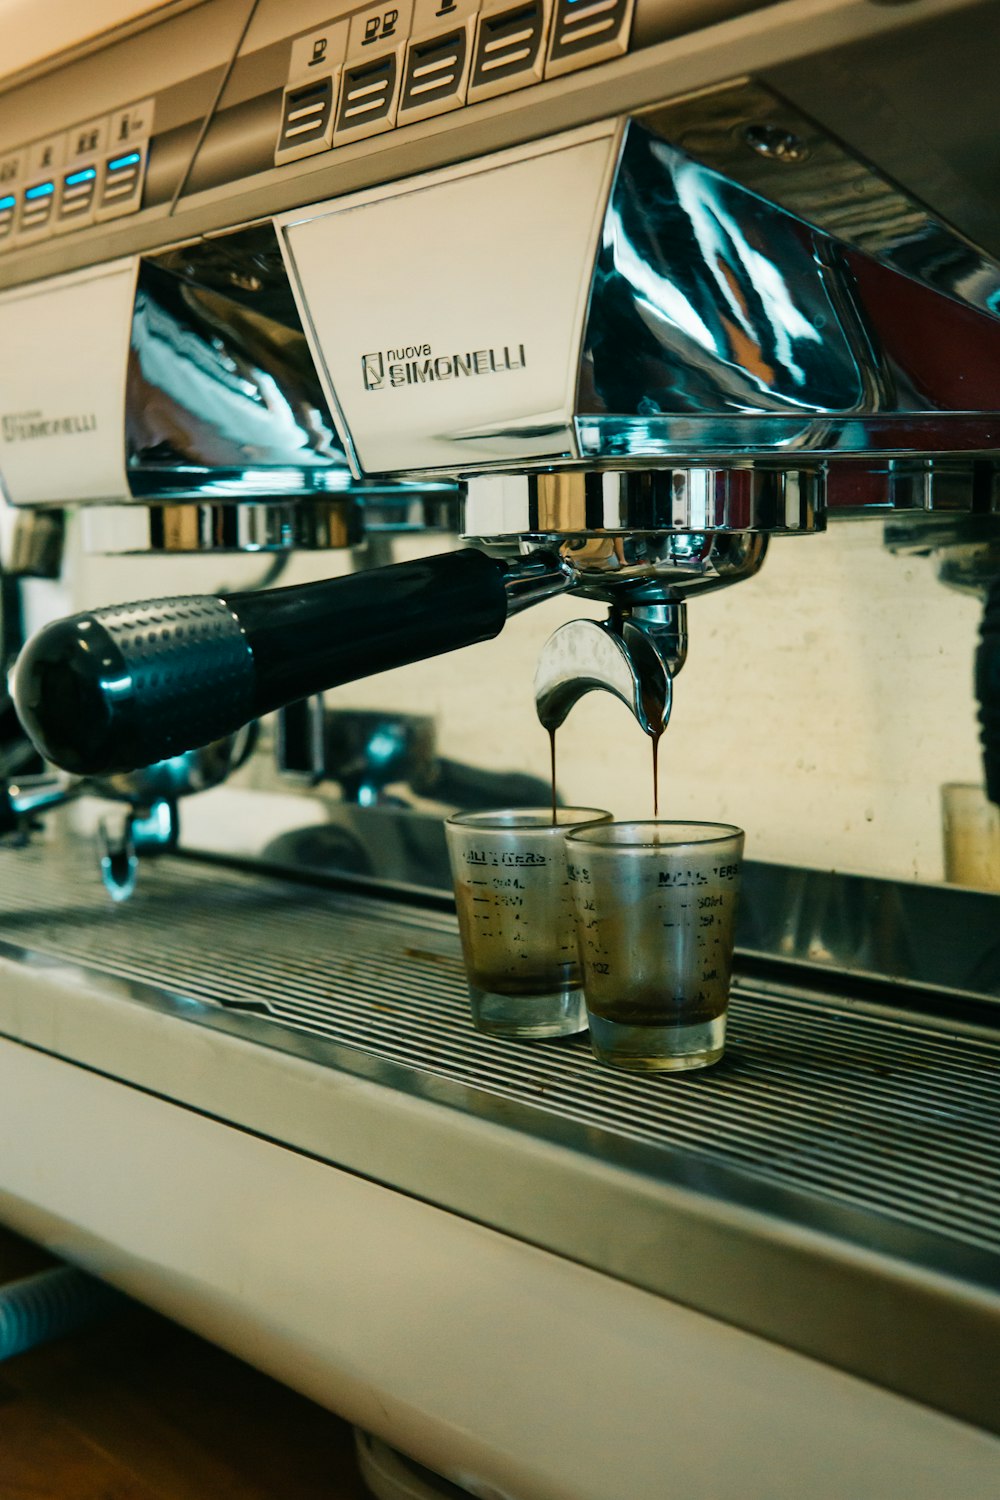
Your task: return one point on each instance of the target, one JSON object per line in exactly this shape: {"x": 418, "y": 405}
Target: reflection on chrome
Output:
{"x": 826, "y": 184}
{"x": 224, "y": 404}
{"x": 722, "y": 326}
{"x": 724, "y": 302}
{"x": 222, "y": 393}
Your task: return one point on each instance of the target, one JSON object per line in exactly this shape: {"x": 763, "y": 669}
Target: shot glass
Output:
{"x": 516, "y": 920}
{"x": 971, "y": 836}
{"x": 656, "y": 907}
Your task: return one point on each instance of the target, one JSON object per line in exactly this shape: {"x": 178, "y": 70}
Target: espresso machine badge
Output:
{"x": 416, "y": 364}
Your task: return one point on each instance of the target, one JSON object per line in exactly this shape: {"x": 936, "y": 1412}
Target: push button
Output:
{"x": 510, "y": 49}
{"x": 86, "y": 144}
{"x": 8, "y": 212}
{"x": 123, "y": 173}
{"x": 438, "y": 59}
{"x": 77, "y": 198}
{"x": 436, "y": 76}
{"x": 307, "y": 120}
{"x": 38, "y": 199}
{"x": 587, "y": 31}
{"x": 36, "y": 209}
{"x": 368, "y": 98}
{"x": 376, "y": 48}
{"x": 11, "y": 167}
{"x": 309, "y": 108}
{"x": 121, "y": 180}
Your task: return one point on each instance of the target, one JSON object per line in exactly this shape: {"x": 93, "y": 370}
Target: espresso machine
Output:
{"x": 509, "y": 327}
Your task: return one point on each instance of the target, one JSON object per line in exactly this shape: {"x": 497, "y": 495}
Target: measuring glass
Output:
{"x": 515, "y": 918}
{"x": 971, "y": 837}
{"x": 656, "y": 907}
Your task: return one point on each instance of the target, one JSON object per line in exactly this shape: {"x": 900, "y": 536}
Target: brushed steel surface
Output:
{"x": 880, "y": 1112}
{"x": 832, "y": 1186}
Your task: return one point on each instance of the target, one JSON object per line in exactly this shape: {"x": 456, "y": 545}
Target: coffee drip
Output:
{"x": 654, "y": 738}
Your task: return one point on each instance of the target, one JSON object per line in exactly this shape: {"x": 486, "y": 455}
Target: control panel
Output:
{"x": 85, "y": 175}
{"x": 289, "y": 95}
{"x": 396, "y": 62}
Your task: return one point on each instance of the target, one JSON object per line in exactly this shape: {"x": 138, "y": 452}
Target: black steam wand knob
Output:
{"x": 114, "y": 689}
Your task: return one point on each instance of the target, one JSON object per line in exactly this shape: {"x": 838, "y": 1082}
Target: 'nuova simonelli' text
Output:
{"x": 414, "y": 364}
{"x": 21, "y": 426}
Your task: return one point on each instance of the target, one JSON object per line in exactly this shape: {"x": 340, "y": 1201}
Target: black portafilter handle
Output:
{"x": 988, "y": 690}
{"x": 114, "y": 689}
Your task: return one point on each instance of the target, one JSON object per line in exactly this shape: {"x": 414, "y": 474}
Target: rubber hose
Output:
{"x": 50, "y": 1305}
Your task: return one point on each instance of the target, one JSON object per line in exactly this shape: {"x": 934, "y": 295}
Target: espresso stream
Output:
{"x": 552, "y": 766}
{"x": 655, "y": 738}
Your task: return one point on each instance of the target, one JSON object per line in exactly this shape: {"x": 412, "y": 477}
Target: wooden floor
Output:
{"x": 138, "y": 1409}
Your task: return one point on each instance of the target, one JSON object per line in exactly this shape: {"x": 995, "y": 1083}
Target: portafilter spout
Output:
{"x": 634, "y": 655}
{"x": 637, "y": 652}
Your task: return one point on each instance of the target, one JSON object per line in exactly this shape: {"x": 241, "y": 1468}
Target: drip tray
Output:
{"x": 834, "y": 1184}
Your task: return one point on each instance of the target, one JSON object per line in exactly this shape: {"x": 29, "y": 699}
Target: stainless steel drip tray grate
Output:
{"x": 896, "y": 1116}
{"x": 833, "y": 1185}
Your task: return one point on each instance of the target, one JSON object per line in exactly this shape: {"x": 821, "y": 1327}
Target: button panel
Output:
{"x": 387, "y": 64}
{"x": 92, "y": 172}
{"x": 408, "y": 59}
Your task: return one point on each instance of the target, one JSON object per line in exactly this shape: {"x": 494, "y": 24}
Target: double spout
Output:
{"x": 635, "y": 655}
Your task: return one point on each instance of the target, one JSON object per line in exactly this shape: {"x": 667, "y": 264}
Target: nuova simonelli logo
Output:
{"x": 373, "y": 368}
{"x": 416, "y": 364}
{"x": 22, "y": 426}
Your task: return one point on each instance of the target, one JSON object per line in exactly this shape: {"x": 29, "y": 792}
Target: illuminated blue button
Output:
{"x": 86, "y": 174}
{"x": 42, "y": 190}
{"x": 120, "y": 162}
{"x": 7, "y": 203}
